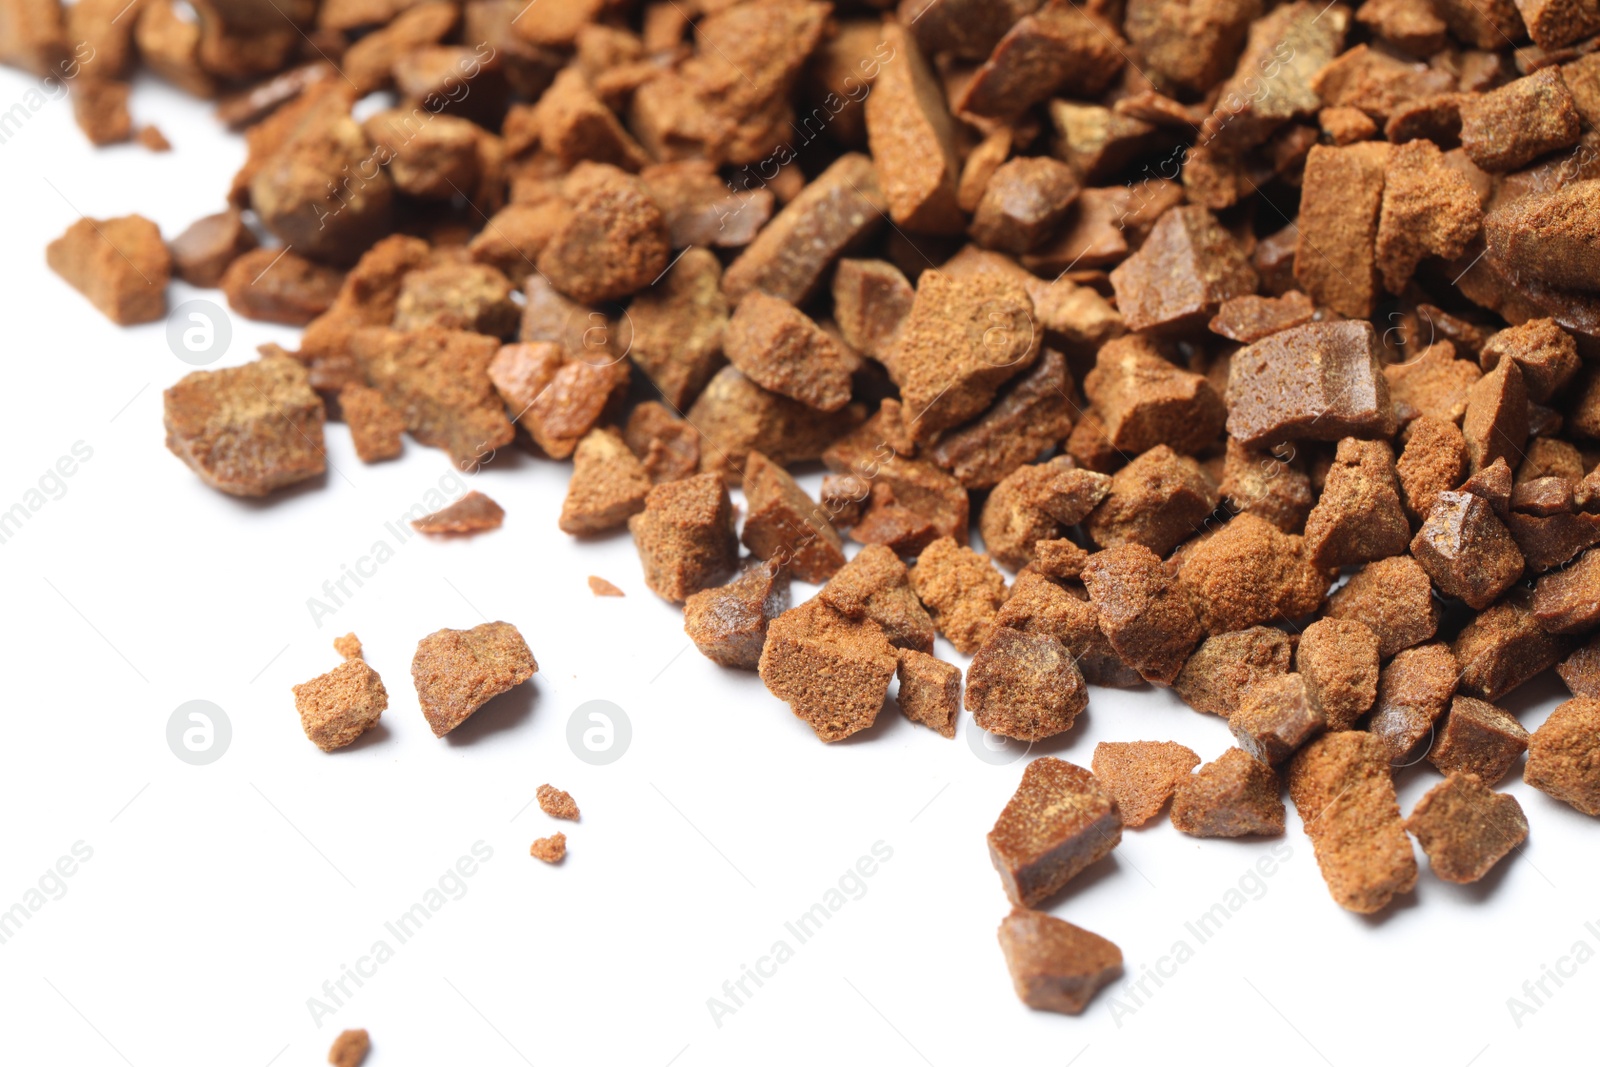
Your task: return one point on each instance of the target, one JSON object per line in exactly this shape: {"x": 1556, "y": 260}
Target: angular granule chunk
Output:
{"x": 338, "y": 707}
{"x": 1553, "y": 23}
{"x": 1039, "y": 605}
{"x": 702, "y": 209}
{"x": 1467, "y": 551}
{"x": 728, "y": 623}
{"x": 1359, "y": 517}
{"x": 1024, "y": 202}
{"x": 1144, "y": 611}
{"x": 1429, "y": 209}
{"x": 1056, "y": 966}
{"x": 1276, "y": 717}
{"x": 1071, "y": 313}
{"x": 456, "y": 672}
{"x": 1543, "y": 497}
{"x": 871, "y": 299}
{"x": 1181, "y": 274}
{"x": 1335, "y": 261}
{"x": 967, "y": 28}
{"x": 677, "y": 327}
{"x": 375, "y": 427}
{"x": 1024, "y": 685}
{"x": 1341, "y": 787}
{"x": 521, "y": 375}
{"x": 1059, "y": 558}
{"x": 1234, "y": 795}
{"x": 275, "y": 285}
{"x": 202, "y": 253}
{"x": 349, "y": 1049}
{"x": 428, "y": 159}
{"x": 1145, "y": 400}
{"x": 913, "y": 139}
{"x": 1141, "y": 775}
{"x": 1060, "y": 50}
{"x": 1226, "y": 665}
{"x": 552, "y": 849}
{"x": 736, "y": 416}
{"x": 1550, "y": 458}
{"x": 685, "y": 536}
{"x": 961, "y": 589}
{"x": 608, "y": 487}
{"x": 963, "y": 339}
{"x": 1413, "y": 692}
{"x": 1494, "y": 483}
{"x": 557, "y": 803}
{"x": 930, "y": 691}
{"x": 1496, "y": 421}
{"x": 1433, "y": 462}
{"x": 1550, "y": 237}
{"x": 1435, "y": 383}
{"x": 247, "y": 430}
{"x": 1159, "y": 501}
{"x": 457, "y": 296}
{"x": 1030, "y": 415}
{"x": 1481, "y": 23}
{"x": 1339, "y": 660}
{"x": 1394, "y": 598}
{"x": 1270, "y": 484}
{"x": 1547, "y": 355}
{"x": 784, "y": 527}
{"x": 1250, "y": 572}
{"x": 832, "y": 671}
{"x": 1346, "y": 125}
{"x": 1247, "y": 319}
{"x": 1058, "y": 822}
{"x": 513, "y": 238}
{"x": 1189, "y": 46}
{"x": 1478, "y": 738}
{"x": 472, "y": 514}
{"x": 1295, "y": 41}
{"x": 844, "y": 498}
{"x": 613, "y": 244}
{"x": 576, "y": 126}
{"x": 668, "y": 446}
{"x": 875, "y": 585}
{"x": 778, "y": 347}
{"x": 1511, "y": 126}
{"x": 1564, "y": 755}
{"x": 33, "y": 36}
{"x": 439, "y": 382}
{"x": 1568, "y": 601}
{"x": 1504, "y": 647}
{"x": 121, "y": 265}
{"x": 1466, "y": 828}
{"x": 1581, "y": 670}
{"x": 600, "y": 587}
{"x": 1318, "y": 382}
{"x": 1034, "y": 503}
{"x": 1550, "y": 541}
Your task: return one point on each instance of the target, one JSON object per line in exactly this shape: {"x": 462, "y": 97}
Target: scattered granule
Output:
{"x": 456, "y": 672}
{"x": 1058, "y": 822}
{"x": 120, "y": 265}
{"x": 1394, "y": 598}
{"x": 961, "y": 589}
{"x": 844, "y": 498}
{"x": 600, "y": 587}
{"x": 1478, "y": 738}
{"x": 458, "y": 296}
{"x": 728, "y": 623}
{"x": 1249, "y": 318}
{"x": 1467, "y": 550}
{"x": 1250, "y": 572}
{"x": 1466, "y": 828}
{"x": 1181, "y": 274}
{"x": 677, "y": 327}
{"x": 1581, "y": 670}
{"x": 1159, "y": 500}
{"x": 348, "y": 646}
{"x": 1023, "y": 203}
{"x": 1144, "y": 400}
{"x": 1234, "y": 795}
{"x": 703, "y": 210}
{"x": 1038, "y": 605}
{"x": 1276, "y": 717}
{"x": 735, "y": 416}
{"x": 613, "y": 244}
{"x": 1413, "y": 692}
{"x": 1058, "y": 50}
{"x": 247, "y": 430}
{"x": 1553, "y": 23}
{"x": 913, "y": 139}
{"x": 778, "y": 347}
{"x": 668, "y": 446}
{"x": 552, "y": 849}
{"x": 876, "y": 585}
{"x": 1144, "y": 610}
{"x": 472, "y": 514}
{"x": 930, "y": 691}
{"x": 1141, "y": 775}
{"x": 784, "y": 527}
{"x": 1428, "y": 210}
{"x": 1335, "y": 262}
{"x": 1318, "y": 382}
{"x": 1029, "y": 504}
{"x": 1341, "y": 787}
{"x": 1496, "y": 421}
{"x": 1564, "y": 755}
{"x": 871, "y": 299}
{"x": 1511, "y": 126}
{"x": 1434, "y": 384}
{"x": 1434, "y": 461}
{"x": 1547, "y": 354}
{"x": 832, "y": 671}
{"x": 1024, "y": 685}
{"x": 350, "y": 1049}
{"x": 1339, "y": 660}
{"x": 201, "y": 254}
{"x": 608, "y": 486}
{"x": 1056, "y": 966}
{"x": 685, "y": 535}
{"x": 1187, "y": 46}
{"x": 1358, "y": 517}
{"x": 375, "y": 427}
{"x": 1494, "y": 483}
{"x": 1261, "y": 483}
{"x": 338, "y": 707}
{"x": 1504, "y": 647}
{"x": 1551, "y": 540}
{"x": 1059, "y": 558}
{"x": 1543, "y": 497}
{"x": 1226, "y": 665}
{"x": 557, "y": 803}
{"x": 1346, "y": 125}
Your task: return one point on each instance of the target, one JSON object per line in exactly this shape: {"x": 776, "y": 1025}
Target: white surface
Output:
{"x": 218, "y": 899}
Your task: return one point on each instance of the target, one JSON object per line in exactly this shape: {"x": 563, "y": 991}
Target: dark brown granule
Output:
{"x": 871, "y": 299}
{"x": 247, "y": 430}
{"x": 1023, "y": 203}
{"x": 1394, "y": 598}
{"x": 456, "y": 296}
{"x": 375, "y": 427}
{"x": 1024, "y": 685}
{"x": 338, "y": 707}
{"x": 557, "y": 803}
{"x": 1059, "y": 821}
{"x": 1247, "y": 319}
{"x": 349, "y": 1049}
{"x": 1159, "y": 500}
{"x": 961, "y": 589}
{"x": 1467, "y": 551}
{"x": 1550, "y": 541}
{"x": 1494, "y": 484}
{"x": 1341, "y": 787}
{"x": 1413, "y": 692}
{"x": 685, "y": 536}
{"x": 1276, "y": 717}
{"x": 778, "y": 347}
{"x": 1059, "y": 50}
{"x": 1564, "y": 755}
{"x": 1433, "y": 384}
{"x": 552, "y": 849}
{"x": 1358, "y": 518}
{"x": 1543, "y": 497}
{"x": 1189, "y": 46}
{"x": 120, "y": 265}
{"x": 930, "y": 691}
{"x": 784, "y": 527}
{"x": 1270, "y": 484}
{"x": 1039, "y": 605}
{"x": 608, "y": 486}
{"x": 1144, "y": 611}
{"x": 667, "y": 446}
{"x": 1553, "y": 23}
{"x": 1504, "y": 647}
{"x": 1478, "y": 738}
{"x": 832, "y": 671}
{"x": 1226, "y": 665}
{"x": 1376, "y": 81}
{"x": 457, "y": 671}
{"x": 1144, "y": 400}
{"x": 1141, "y": 775}
{"x": 614, "y": 243}
{"x": 1235, "y": 795}
{"x": 202, "y": 253}
{"x": 913, "y": 139}
{"x": 1322, "y": 382}
{"x": 728, "y": 623}
{"x": 1496, "y": 421}
{"x": 1511, "y": 126}
{"x": 1428, "y": 210}
{"x": 1466, "y": 828}
{"x": 1548, "y": 237}
{"x": 1338, "y": 658}
{"x": 1250, "y": 572}
{"x": 1336, "y": 259}
{"x": 1181, "y": 274}
{"x": 1547, "y": 354}
{"x": 600, "y": 587}
{"x": 472, "y": 514}
{"x": 1581, "y": 670}
{"x": 1031, "y": 415}
{"x": 735, "y": 416}
{"x": 1056, "y": 966}
{"x": 1434, "y": 461}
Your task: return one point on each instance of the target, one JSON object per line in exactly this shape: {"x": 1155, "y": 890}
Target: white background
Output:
{"x": 218, "y": 899}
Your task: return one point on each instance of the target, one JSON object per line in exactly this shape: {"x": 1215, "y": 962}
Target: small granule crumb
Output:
{"x": 1247, "y": 319}
{"x": 615, "y": 241}
{"x": 1056, "y": 966}
{"x": 338, "y": 707}
{"x": 552, "y": 849}
{"x": 557, "y": 803}
{"x": 600, "y": 587}
{"x": 1466, "y": 828}
{"x": 1394, "y": 598}
{"x": 876, "y": 585}
{"x": 1232, "y": 796}
{"x": 961, "y": 589}
{"x": 1564, "y": 755}
{"x": 1249, "y": 573}
{"x": 832, "y": 671}
{"x": 1346, "y": 125}
{"x": 201, "y": 254}
{"x": 1144, "y": 612}
{"x": 1359, "y": 517}
{"x": 609, "y": 485}
{"x": 930, "y": 691}
{"x": 375, "y": 427}
{"x": 1478, "y": 738}
{"x": 1024, "y": 685}
{"x": 728, "y": 623}
{"x": 1058, "y": 822}
{"x": 1228, "y": 664}
{"x": 471, "y": 514}
{"x": 349, "y": 1049}
{"x": 1040, "y": 605}
{"x": 1339, "y": 660}
{"x": 1429, "y": 209}
{"x": 1141, "y": 775}
{"x": 153, "y": 139}
{"x": 1413, "y": 692}
{"x": 276, "y": 285}
{"x": 1276, "y": 717}
{"x": 348, "y": 646}
{"x": 456, "y": 672}
{"x": 1547, "y": 354}
{"x": 1059, "y": 558}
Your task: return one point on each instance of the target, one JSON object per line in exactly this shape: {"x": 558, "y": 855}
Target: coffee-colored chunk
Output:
{"x": 1494, "y": 483}
{"x": 1056, "y": 966}
{"x": 1249, "y": 572}
{"x": 202, "y": 253}
{"x": 1413, "y": 692}
{"x": 913, "y": 139}
{"x": 1568, "y": 601}
{"x": 930, "y": 691}
{"x": 457, "y": 296}
{"x": 735, "y": 417}
{"x": 340, "y": 706}
{"x": 1548, "y": 541}
{"x": 1548, "y": 457}
{"x": 1060, "y": 50}
{"x": 1504, "y": 647}
{"x": 552, "y": 849}
{"x": 33, "y": 36}
{"x": 1546, "y": 354}
{"x": 1550, "y": 236}
{"x": 703, "y": 210}
{"x": 600, "y": 587}
{"x": 1023, "y": 203}
{"x": 1226, "y": 665}
{"x": 1338, "y": 659}
{"x": 1511, "y": 126}
{"x": 668, "y": 446}
{"x": 1318, "y": 382}
{"x": 1060, "y": 558}
{"x": 676, "y": 327}
{"x": 1564, "y": 755}
{"x": 875, "y": 585}
{"x": 473, "y": 513}
{"x": 375, "y": 427}
{"x": 247, "y": 430}
{"x": 275, "y": 285}
{"x": 456, "y": 672}
{"x": 1433, "y": 462}
{"x": 1466, "y": 828}
{"x": 1496, "y": 422}
{"x": 349, "y": 1049}
{"x": 1581, "y": 670}
{"x": 1235, "y": 795}
{"x": 1159, "y": 500}
{"x": 832, "y": 671}
{"x": 778, "y": 347}
{"x": 1181, "y": 274}
{"x": 1189, "y": 46}
{"x": 1144, "y": 611}
{"x": 1037, "y": 503}
{"x": 962, "y": 590}
{"x": 1394, "y": 599}
{"x": 575, "y": 126}
{"x": 1346, "y": 125}
{"x": 1542, "y": 497}
{"x": 1040, "y": 605}
{"x": 1276, "y": 717}
{"x": 1031, "y": 414}
{"x": 1359, "y": 517}
{"x": 1484, "y": 24}
{"x": 1144, "y": 400}
{"x": 1141, "y": 775}
{"x": 1249, "y": 318}
{"x": 120, "y": 265}
{"x": 1467, "y": 551}
{"x": 1335, "y": 261}
{"x": 556, "y": 803}
{"x": 1024, "y": 685}
{"x": 614, "y": 243}
{"x": 1478, "y": 738}
{"x": 1270, "y": 484}
{"x": 871, "y": 299}
{"x": 1058, "y": 822}
{"x": 430, "y": 156}
{"x": 1434, "y": 384}
{"x": 685, "y": 535}
{"x": 728, "y": 623}
{"x": 1428, "y": 209}
{"x": 439, "y": 382}
{"x": 784, "y": 527}
{"x": 1295, "y": 41}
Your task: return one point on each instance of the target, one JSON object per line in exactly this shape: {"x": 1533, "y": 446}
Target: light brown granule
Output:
{"x": 832, "y": 671}
{"x": 1226, "y": 665}
{"x": 677, "y": 327}
{"x": 875, "y": 585}
{"x": 472, "y": 514}
{"x": 1394, "y": 598}
{"x": 1432, "y": 383}
{"x": 778, "y": 347}
{"x": 247, "y": 430}
{"x": 349, "y": 1049}
{"x": 338, "y": 707}
{"x": 1479, "y": 738}
{"x": 1581, "y": 670}
{"x": 1428, "y": 210}
{"x": 120, "y": 265}
{"x": 600, "y": 587}
{"x": 1039, "y": 605}
{"x": 1547, "y": 354}
{"x": 1144, "y": 611}
{"x": 1568, "y": 601}
{"x": 1564, "y": 755}
{"x": 784, "y": 527}
{"x": 871, "y": 300}
{"x": 961, "y": 589}
{"x": 608, "y": 485}
{"x": 1249, "y": 572}
{"x": 1247, "y": 319}
{"x": 1060, "y": 558}
{"x": 1182, "y": 273}
{"x": 735, "y": 416}
{"x": 613, "y": 244}
{"x": 1466, "y": 828}
{"x": 1335, "y": 261}
{"x": 930, "y": 691}
{"x": 913, "y": 139}
{"x": 1504, "y": 647}
{"x": 1339, "y": 660}
{"x": 1413, "y": 692}
{"x": 728, "y": 623}
{"x": 668, "y": 446}
{"x": 348, "y": 646}
{"x": 1232, "y": 796}
{"x": 1321, "y": 381}
{"x": 685, "y": 536}
{"x": 1056, "y": 966}
{"x": 1024, "y": 201}
{"x": 1276, "y": 717}
{"x": 1505, "y": 128}
{"x": 202, "y": 253}
{"x": 1058, "y": 822}
{"x": 1159, "y": 501}
{"x": 1141, "y": 775}
{"x": 1024, "y": 685}
{"x": 1434, "y": 461}
{"x": 557, "y": 803}
{"x": 1037, "y": 502}
{"x": 456, "y": 672}
{"x": 1268, "y": 484}
{"x": 552, "y": 849}
{"x": 1358, "y": 518}
{"x": 375, "y": 427}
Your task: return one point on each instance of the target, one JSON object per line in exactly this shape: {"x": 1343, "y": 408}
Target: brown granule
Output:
{"x": 1335, "y": 261}
{"x": 1553, "y": 23}
{"x": 1548, "y": 237}
{"x": 677, "y": 327}
{"x": 1547, "y": 354}
{"x": 472, "y": 514}
{"x": 701, "y": 209}
{"x": 735, "y": 416}
{"x": 1413, "y": 692}
{"x": 1226, "y": 665}
{"x": 1339, "y": 660}
{"x": 202, "y": 253}
{"x": 961, "y": 589}
{"x": 844, "y": 498}
{"x": 557, "y": 803}
{"x": 1341, "y": 787}
{"x": 1433, "y": 462}
{"x": 1189, "y": 46}
{"x": 1023, "y": 203}
{"x": 876, "y": 585}
{"x": 552, "y": 849}
{"x": 275, "y": 285}
{"x": 1276, "y": 717}
{"x": 512, "y": 239}
{"x": 1496, "y": 421}
{"x": 375, "y": 427}
{"x": 456, "y": 672}
{"x": 1543, "y": 497}
{"x": 247, "y": 430}
{"x": 1466, "y": 828}
{"x": 832, "y": 671}
{"x": 1037, "y": 503}
{"x": 1428, "y": 210}
{"x": 348, "y": 646}
{"x": 1481, "y": 23}
{"x": 1024, "y": 685}
{"x": 1467, "y": 551}
{"x": 1347, "y": 125}
{"x": 1250, "y": 572}
{"x": 779, "y": 348}
{"x": 1060, "y": 558}
{"x": 1494, "y": 484}
{"x": 1144, "y": 611}
{"x": 1504, "y": 647}
{"x": 1144, "y": 400}
{"x": 685, "y": 535}
{"x": 1564, "y": 755}
{"x": 600, "y": 587}
{"x": 120, "y": 265}
{"x": 1247, "y": 319}
{"x": 728, "y": 623}
{"x": 913, "y": 139}
{"x": 1480, "y": 739}
{"x": 1235, "y": 795}
{"x": 1159, "y": 500}
{"x": 1394, "y": 598}
{"x": 429, "y": 160}
{"x": 338, "y": 707}
{"x": 1322, "y": 382}
{"x": 349, "y": 1049}
{"x": 608, "y": 486}
{"x": 667, "y": 446}
{"x": 457, "y": 296}
{"x": 575, "y": 126}
{"x": 930, "y": 691}
{"x": 1433, "y": 384}
{"x": 784, "y": 527}
{"x": 524, "y": 374}
{"x": 1270, "y": 485}
{"x": 871, "y": 299}
{"x": 1181, "y": 274}
{"x": 1059, "y": 50}
{"x": 1059, "y": 821}
{"x": 1031, "y": 414}
{"x": 1550, "y": 541}
{"x": 1039, "y": 605}
{"x": 1056, "y": 966}
{"x": 1359, "y": 517}
{"x": 613, "y": 244}
{"x": 1581, "y": 670}
{"x": 1511, "y": 126}
{"x": 1141, "y": 775}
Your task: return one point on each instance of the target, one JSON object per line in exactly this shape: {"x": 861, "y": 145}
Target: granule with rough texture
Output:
{"x": 1159, "y": 501}
{"x": 875, "y": 585}
{"x": 1234, "y": 795}
{"x": 1276, "y": 717}
{"x": 1061, "y": 49}
{"x": 375, "y": 427}
{"x": 1226, "y": 665}
{"x": 1269, "y": 484}
{"x": 735, "y": 417}
{"x": 1568, "y": 601}
{"x": 1466, "y": 828}
{"x": 615, "y": 241}
{"x": 1479, "y": 738}
{"x": 783, "y": 526}
{"x": 1321, "y": 382}
{"x": 1581, "y": 670}
{"x": 600, "y": 587}
{"x": 1039, "y": 605}
{"x": 1394, "y": 598}
{"x": 930, "y": 691}
{"x": 609, "y": 485}
{"x": 1058, "y": 822}
{"x": 457, "y": 296}
{"x": 1434, "y": 461}
{"x": 832, "y": 671}
{"x": 552, "y": 849}
{"x": 1247, "y": 319}
{"x": 349, "y": 1049}
{"x": 1467, "y": 550}
{"x": 1496, "y": 420}
{"x": 1249, "y": 572}
{"x": 1060, "y": 558}
{"x": 456, "y": 672}
{"x": 121, "y": 265}
{"x": 961, "y": 589}
{"x": 1428, "y": 209}
{"x": 1035, "y": 503}
{"x": 1181, "y": 274}
{"x": 1505, "y": 128}
{"x": 1564, "y": 755}
{"x": 871, "y": 299}
{"x": 1141, "y": 775}
{"x": 1432, "y": 383}
{"x": 728, "y": 623}
{"x": 1339, "y": 660}
{"x": 473, "y": 513}
{"x": 1056, "y": 966}
{"x": 556, "y": 803}
{"x": 668, "y": 446}
{"x": 1549, "y": 237}
{"x": 677, "y": 327}
{"x": 1547, "y": 354}
{"x": 1504, "y": 647}
{"x": 1413, "y": 692}
{"x": 1024, "y": 685}
{"x": 1336, "y": 260}
{"x": 338, "y": 707}
{"x": 913, "y": 139}
{"x": 685, "y": 536}
{"x": 778, "y": 347}
{"x": 247, "y": 430}
{"x": 1144, "y": 400}
{"x": 1144, "y": 610}
{"x": 1359, "y": 517}
{"x": 348, "y": 646}
{"x": 1025, "y": 200}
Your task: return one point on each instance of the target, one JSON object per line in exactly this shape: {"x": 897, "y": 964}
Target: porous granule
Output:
{"x": 1276, "y": 717}
{"x": 1144, "y": 610}
{"x": 338, "y": 707}
{"x": 247, "y": 430}
{"x": 1141, "y": 775}
{"x": 1339, "y": 660}
{"x": 876, "y": 585}
{"x": 556, "y": 803}
{"x": 1226, "y": 665}
{"x": 961, "y": 589}
{"x": 1058, "y": 822}
{"x": 728, "y": 623}
{"x": 1248, "y": 573}
{"x": 552, "y": 849}
{"x": 608, "y": 487}
{"x": 1564, "y": 755}
{"x": 1024, "y": 685}
{"x": 349, "y": 1049}
{"x": 832, "y": 671}
{"x": 1232, "y": 796}
{"x": 120, "y": 265}
{"x": 1056, "y": 966}
{"x": 783, "y": 526}
{"x": 685, "y": 536}
{"x": 930, "y": 691}
{"x": 1394, "y": 599}
{"x": 1414, "y": 690}
{"x": 1466, "y": 828}
{"x": 456, "y": 672}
